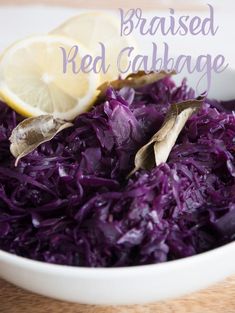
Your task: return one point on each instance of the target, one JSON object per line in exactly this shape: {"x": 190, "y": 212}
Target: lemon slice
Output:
{"x": 33, "y": 83}
{"x": 94, "y": 27}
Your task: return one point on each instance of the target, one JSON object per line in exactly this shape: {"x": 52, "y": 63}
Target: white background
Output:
{"x": 18, "y": 22}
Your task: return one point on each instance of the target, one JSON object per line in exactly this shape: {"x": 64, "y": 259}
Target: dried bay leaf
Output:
{"x": 32, "y": 132}
{"x": 135, "y": 80}
{"x": 157, "y": 150}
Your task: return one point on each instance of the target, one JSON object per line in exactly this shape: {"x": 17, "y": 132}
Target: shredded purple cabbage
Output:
{"x": 68, "y": 202}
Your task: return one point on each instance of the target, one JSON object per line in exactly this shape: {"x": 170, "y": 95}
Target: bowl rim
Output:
{"x": 115, "y": 271}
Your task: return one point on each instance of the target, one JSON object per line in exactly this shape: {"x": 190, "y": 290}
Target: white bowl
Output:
{"x": 129, "y": 285}
{"x": 118, "y": 286}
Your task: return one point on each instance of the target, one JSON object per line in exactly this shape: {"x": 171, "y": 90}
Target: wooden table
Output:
{"x": 113, "y": 4}
{"x": 217, "y": 299}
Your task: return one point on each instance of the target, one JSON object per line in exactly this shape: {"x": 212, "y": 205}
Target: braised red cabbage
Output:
{"x": 69, "y": 202}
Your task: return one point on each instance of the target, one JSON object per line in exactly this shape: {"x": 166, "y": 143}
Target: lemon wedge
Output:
{"x": 33, "y": 83}
{"x": 94, "y": 27}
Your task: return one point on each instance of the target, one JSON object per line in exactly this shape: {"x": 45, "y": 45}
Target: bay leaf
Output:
{"x": 157, "y": 150}
{"x": 32, "y": 132}
{"x": 134, "y": 80}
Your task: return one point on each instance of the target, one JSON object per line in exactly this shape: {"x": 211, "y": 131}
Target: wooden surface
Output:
{"x": 113, "y": 4}
{"x": 217, "y": 299}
